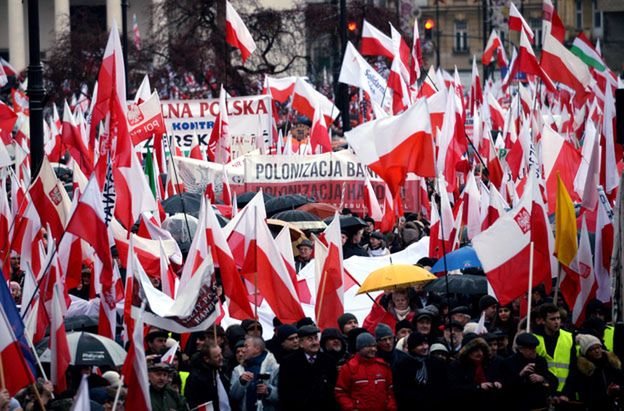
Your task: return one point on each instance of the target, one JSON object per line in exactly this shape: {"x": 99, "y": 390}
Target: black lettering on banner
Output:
{"x": 350, "y": 169}
{"x": 259, "y": 170}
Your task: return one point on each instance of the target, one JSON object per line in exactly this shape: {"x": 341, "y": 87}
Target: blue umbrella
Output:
{"x": 465, "y": 257}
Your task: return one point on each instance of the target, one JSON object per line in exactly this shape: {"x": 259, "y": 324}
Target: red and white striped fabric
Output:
{"x": 527, "y": 63}
{"x": 441, "y": 233}
{"x": 219, "y": 150}
{"x": 50, "y": 199}
{"x": 476, "y": 93}
{"x": 284, "y": 244}
{"x": 417, "y": 62}
{"x": 471, "y": 201}
{"x": 517, "y": 22}
{"x": 72, "y": 139}
{"x": 17, "y": 374}
{"x": 7, "y": 67}
{"x": 400, "y": 91}
{"x": 495, "y": 208}
{"x": 329, "y": 302}
{"x": 603, "y": 246}
{"x": 394, "y": 146}
{"x": 494, "y": 47}
{"x": 402, "y": 51}
{"x": 551, "y": 22}
{"x": 375, "y": 43}
{"x": 389, "y": 212}
{"x": 59, "y": 349}
{"x": 169, "y": 356}
{"x": 504, "y": 248}
{"x": 236, "y": 33}
{"x": 370, "y": 201}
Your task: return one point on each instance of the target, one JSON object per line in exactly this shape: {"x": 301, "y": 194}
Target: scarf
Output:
{"x": 421, "y": 372}
{"x": 479, "y": 376}
{"x": 401, "y": 314}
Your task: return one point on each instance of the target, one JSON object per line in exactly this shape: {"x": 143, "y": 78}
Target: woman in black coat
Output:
{"x": 599, "y": 379}
{"x": 474, "y": 377}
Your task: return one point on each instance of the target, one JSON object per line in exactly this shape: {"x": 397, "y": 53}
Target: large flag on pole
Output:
{"x": 236, "y": 33}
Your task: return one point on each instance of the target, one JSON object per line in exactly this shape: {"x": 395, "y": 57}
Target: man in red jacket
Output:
{"x": 365, "y": 382}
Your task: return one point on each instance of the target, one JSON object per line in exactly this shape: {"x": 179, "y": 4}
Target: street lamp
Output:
{"x": 35, "y": 91}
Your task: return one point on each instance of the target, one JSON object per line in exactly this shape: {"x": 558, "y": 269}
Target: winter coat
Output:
{"x": 594, "y": 377}
{"x": 365, "y": 384}
{"x": 201, "y": 384}
{"x": 409, "y": 391}
{"x": 464, "y": 389}
{"x": 166, "y": 399}
{"x": 238, "y": 391}
{"x": 383, "y": 312}
{"x": 522, "y": 393}
{"x": 305, "y": 386}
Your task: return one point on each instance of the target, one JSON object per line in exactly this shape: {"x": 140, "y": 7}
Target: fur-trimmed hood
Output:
{"x": 588, "y": 367}
{"x": 471, "y": 345}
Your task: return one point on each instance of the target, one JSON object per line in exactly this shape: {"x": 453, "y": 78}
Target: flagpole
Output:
{"x": 557, "y": 284}
{"x": 117, "y": 392}
{"x": 530, "y": 287}
{"x": 2, "y": 382}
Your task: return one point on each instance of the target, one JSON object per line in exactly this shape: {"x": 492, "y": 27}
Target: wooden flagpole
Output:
{"x": 530, "y": 288}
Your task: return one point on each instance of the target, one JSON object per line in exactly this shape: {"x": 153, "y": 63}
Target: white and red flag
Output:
{"x": 527, "y": 63}
{"x": 603, "y": 246}
{"x": 135, "y": 371}
{"x": 280, "y": 89}
{"x": 370, "y": 201}
{"x": 504, "y": 248}
{"x": 236, "y": 33}
{"x": 219, "y": 150}
{"x": 494, "y": 49}
{"x": 50, "y": 199}
{"x": 476, "y": 93}
{"x": 551, "y": 22}
{"x": 394, "y": 146}
{"x": 60, "y": 357}
{"x": 396, "y": 83}
{"x": 72, "y": 138}
{"x": 319, "y": 135}
{"x": 518, "y": 23}
{"x": 306, "y": 99}
{"x": 578, "y": 285}
{"x": 563, "y": 66}
{"x": 169, "y": 356}
{"x": 375, "y": 43}
{"x": 136, "y": 34}
{"x": 417, "y": 61}
{"x": 330, "y": 279}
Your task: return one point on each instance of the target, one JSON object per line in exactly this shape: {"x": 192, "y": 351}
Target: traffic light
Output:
{"x": 352, "y": 26}
{"x": 429, "y": 25}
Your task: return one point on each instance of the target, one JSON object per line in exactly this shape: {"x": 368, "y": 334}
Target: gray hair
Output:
{"x": 257, "y": 342}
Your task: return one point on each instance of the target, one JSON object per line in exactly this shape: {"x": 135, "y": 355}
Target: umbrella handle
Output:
{"x": 360, "y": 285}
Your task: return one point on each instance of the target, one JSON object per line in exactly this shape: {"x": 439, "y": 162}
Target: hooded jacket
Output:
{"x": 593, "y": 379}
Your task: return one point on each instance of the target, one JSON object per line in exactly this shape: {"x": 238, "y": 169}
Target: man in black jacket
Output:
{"x": 526, "y": 376}
{"x": 307, "y": 377}
{"x": 206, "y": 382}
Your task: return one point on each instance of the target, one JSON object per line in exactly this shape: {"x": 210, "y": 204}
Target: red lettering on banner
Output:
{"x": 261, "y": 107}
{"x": 186, "y": 111}
{"x": 237, "y": 110}
{"x": 203, "y": 106}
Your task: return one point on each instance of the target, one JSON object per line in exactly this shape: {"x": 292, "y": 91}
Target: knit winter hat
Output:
{"x": 586, "y": 341}
{"x": 285, "y": 331}
{"x": 382, "y": 331}
{"x": 486, "y": 301}
{"x": 344, "y": 319}
{"x": 364, "y": 340}
{"x": 415, "y": 339}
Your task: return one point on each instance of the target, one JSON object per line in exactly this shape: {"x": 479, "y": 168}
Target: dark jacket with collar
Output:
{"x": 305, "y": 386}
{"x": 408, "y": 391}
{"x": 524, "y": 394}
{"x": 201, "y": 384}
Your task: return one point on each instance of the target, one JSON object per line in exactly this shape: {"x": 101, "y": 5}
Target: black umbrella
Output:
{"x": 87, "y": 349}
{"x": 81, "y": 323}
{"x": 244, "y": 198}
{"x": 287, "y": 202}
{"x": 301, "y": 219}
{"x": 348, "y": 222}
{"x": 459, "y": 284}
{"x": 192, "y": 202}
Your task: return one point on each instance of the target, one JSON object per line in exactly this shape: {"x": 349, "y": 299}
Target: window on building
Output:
{"x": 461, "y": 37}
{"x": 536, "y": 26}
{"x": 579, "y": 14}
{"x": 597, "y": 13}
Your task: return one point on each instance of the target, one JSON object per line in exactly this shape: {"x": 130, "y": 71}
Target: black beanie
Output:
{"x": 344, "y": 319}
{"x": 415, "y": 339}
{"x": 285, "y": 331}
{"x": 487, "y": 301}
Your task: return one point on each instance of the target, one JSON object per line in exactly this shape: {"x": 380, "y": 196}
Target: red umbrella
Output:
{"x": 322, "y": 210}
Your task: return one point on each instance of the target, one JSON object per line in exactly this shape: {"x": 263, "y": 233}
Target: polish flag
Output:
{"x": 168, "y": 279}
{"x": 284, "y": 244}
{"x": 578, "y": 285}
{"x": 169, "y": 356}
{"x": 603, "y": 246}
{"x": 233, "y": 286}
{"x": 207, "y": 406}
{"x": 394, "y": 146}
{"x": 494, "y": 209}
{"x": 72, "y": 139}
{"x": 375, "y": 43}
{"x": 452, "y": 143}
{"x": 494, "y": 47}
{"x": 396, "y": 83}
{"x": 402, "y": 51}
{"x": 88, "y": 223}
{"x": 236, "y": 33}
{"x": 6, "y": 222}
{"x": 329, "y": 303}
{"x": 441, "y": 235}
{"x": 134, "y": 371}
{"x": 280, "y": 89}
{"x": 476, "y": 93}
{"x": 82, "y": 402}
{"x": 199, "y": 249}
{"x": 59, "y": 349}
{"x": 7, "y": 67}
{"x": 319, "y": 135}
{"x": 551, "y": 22}
{"x": 609, "y": 175}
{"x": 306, "y": 99}
{"x": 517, "y": 22}
{"x": 527, "y": 63}
{"x": 558, "y": 157}
{"x": 17, "y": 373}
{"x": 389, "y": 213}
{"x": 563, "y": 66}
{"x": 504, "y": 248}
{"x": 196, "y": 151}
{"x": 50, "y": 199}
{"x": 4, "y": 80}
{"x": 471, "y": 200}
{"x": 370, "y": 202}
{"x": 145, "y": 118}
{"x": 8, "y": 118}
{"x": 219, "y": 150}
{"x": 417, "y": 61}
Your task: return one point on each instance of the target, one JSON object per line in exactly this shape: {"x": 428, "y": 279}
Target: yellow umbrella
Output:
{"x": 395, "y": 276}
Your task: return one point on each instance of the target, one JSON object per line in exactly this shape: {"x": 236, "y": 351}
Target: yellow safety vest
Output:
{"x": 608, "y": 337}
{"x": 183, "y": 376}
{"x": 559, "y": 365}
